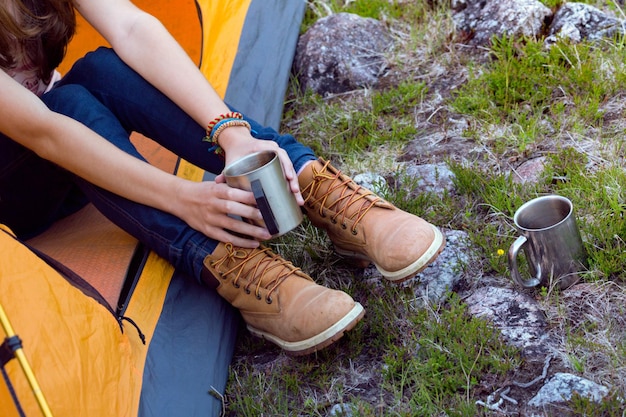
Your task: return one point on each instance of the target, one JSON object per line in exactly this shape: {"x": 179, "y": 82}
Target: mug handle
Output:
{"x": 264, "y": 206}
{"x": 515, "y": 274}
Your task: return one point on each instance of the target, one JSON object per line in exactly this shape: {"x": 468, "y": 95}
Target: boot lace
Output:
{"x": 353, "y": 202}
{"x": 260, "y": 267}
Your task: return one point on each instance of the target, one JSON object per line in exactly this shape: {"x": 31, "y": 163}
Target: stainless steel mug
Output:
{"x": 551, "y": 242}
{"x": 262, "y": 173}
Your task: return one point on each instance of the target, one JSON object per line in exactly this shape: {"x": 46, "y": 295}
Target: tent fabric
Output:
{"x": 163, "y": 347}
{"x": 197, "y": 356}
{"x": 72, "y": 342}
{"x": 257, "y": 81}
{"x": 89, "y": 242}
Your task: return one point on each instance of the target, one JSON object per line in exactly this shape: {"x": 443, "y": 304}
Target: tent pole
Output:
{"x": 21, "y": 358}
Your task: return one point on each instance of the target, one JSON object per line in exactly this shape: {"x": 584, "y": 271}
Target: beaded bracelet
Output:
{"x": 227, "y": 123}
{"x": 212, "y": 123}
{"x": 218, "y": 127}
{"x": 211, "y": 126}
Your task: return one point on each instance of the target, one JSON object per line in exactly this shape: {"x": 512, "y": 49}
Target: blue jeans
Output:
{"x": 106, "y": 95}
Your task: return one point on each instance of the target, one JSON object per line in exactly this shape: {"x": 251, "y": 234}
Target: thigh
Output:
{"x": 140, "y": 107}
{"x": 77, "y": 102}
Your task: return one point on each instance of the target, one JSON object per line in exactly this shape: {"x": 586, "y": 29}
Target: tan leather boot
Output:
{"x": 278, "y": 301}
{"x": 365, "y": 227}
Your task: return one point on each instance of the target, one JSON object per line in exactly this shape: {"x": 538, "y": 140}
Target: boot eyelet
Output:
{"x": 354, "y": 232}
{"x": 333, "y": 220}
{"x": 268, "y": 300}
{"x": 343, "y": 226}
{"x": 247, "y": 291}
{"x": 236, "y": 285}
{"x": 258, "y": 296}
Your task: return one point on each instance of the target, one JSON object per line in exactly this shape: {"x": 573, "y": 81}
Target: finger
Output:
{"x": 285, "y": 162}
{"x": 248, "y": 228}
{"x": 240, "y": 241}
{"x": 299, "y": 198}
{"x": 247, "y": 210}
{"x": 244, "y": 243}
{"x": 231, "y": 195}
{"x": 291, "y": 175}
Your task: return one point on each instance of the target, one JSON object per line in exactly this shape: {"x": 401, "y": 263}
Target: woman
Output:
{"x": 65, "y": 140}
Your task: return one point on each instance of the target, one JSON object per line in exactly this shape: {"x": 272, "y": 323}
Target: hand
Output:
{"x": 206, "y": 206}
{"x": 237, "y": 143}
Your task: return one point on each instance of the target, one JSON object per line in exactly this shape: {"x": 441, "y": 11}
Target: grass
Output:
{"x": 447, "y": 354}
{"x": 515, "y": 100}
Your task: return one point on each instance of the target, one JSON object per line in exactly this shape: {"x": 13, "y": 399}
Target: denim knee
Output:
{"x": 96, "y": 64}
{"x": 78, "y": 102}
{"x": 67, "y": 98}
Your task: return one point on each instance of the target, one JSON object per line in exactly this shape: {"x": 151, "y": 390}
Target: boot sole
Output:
{"x": 436, "y": 247}
{"x": 319, "y": 341}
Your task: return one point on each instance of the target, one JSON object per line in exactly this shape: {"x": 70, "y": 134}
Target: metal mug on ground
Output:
{"x": 551, "y": 242}
{"x": 262, "y": 173}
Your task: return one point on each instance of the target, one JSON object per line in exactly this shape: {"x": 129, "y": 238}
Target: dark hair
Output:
{"x": 41, "y": 29}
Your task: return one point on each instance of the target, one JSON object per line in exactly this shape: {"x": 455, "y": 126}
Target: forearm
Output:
{"x": 78, "y": 149}
{"x": 81, "y": 151}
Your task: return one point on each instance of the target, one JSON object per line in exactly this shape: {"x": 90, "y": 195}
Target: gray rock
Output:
{"x": 518, "y": 316}
{"x": 373, "y": 182}
{"x": 458, "y": 5}
{"x": 578, "y": 21}
{"x": 561, "y": 387}
{"x": 435, "y": 178}
{"x": 484, "y": 19}
{"x": 434, "y": 282}
{"x": 341, "y": 410}
{"x": 530, "y": 171}
{"x": 342, "y": 52}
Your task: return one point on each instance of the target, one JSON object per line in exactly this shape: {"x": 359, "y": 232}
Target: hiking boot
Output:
{"x": 366, "y": 228}
{"x": 278, "y": 301}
